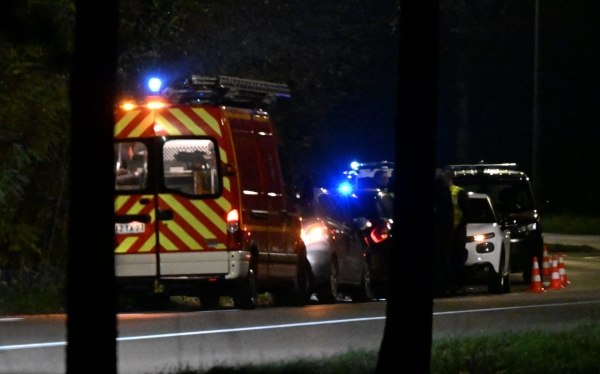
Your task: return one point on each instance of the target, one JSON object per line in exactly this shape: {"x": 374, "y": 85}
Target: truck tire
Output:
{"x": 246, "y": 295}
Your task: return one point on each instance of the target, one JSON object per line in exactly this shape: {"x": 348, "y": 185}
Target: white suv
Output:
{"x": 488, "y": 245}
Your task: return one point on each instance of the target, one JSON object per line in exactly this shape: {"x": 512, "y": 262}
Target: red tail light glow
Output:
{"x": 233, "y": 221}
{"x": 380, "y": 233}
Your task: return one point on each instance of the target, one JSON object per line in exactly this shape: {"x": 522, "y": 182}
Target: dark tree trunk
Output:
{"x": 91, "y": 305}
{"x": 406, "y": 344}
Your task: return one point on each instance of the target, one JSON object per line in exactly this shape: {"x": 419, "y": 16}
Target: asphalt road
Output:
{"x": 162, "y": 342}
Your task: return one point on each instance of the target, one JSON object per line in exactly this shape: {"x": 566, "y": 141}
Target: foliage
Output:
{"x": 34, "y": 123}
{"x": 571, "y": 224}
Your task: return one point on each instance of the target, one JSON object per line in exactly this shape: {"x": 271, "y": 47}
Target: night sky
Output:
{"x": 500, "y": 101}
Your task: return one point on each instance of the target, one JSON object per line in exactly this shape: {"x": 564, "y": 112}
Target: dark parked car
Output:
{"x": 372, "y": 211}
{"x": 335, "y": 248}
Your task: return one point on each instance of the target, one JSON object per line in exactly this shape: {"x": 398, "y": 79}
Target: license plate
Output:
{"x": 130, "y": 228}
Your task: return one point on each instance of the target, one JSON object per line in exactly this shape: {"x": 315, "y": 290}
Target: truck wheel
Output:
{"x": 210, "y": 301}
{"x": 328, "y": 292}
{"x": 246, "y": 295}
{"x": 365, "y": 290}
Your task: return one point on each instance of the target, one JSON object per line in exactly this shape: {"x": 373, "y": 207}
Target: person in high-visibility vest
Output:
{"x": 458, "y": 252}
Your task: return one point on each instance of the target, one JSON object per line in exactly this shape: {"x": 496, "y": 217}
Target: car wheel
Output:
{"x": 527, "y": 276}
{"x": 365, "y": 290}
{"x": 328, "y": 293}
{"x": 497, "y": 281}
{"x": 507, "y": 285}
{"x": 246, "y": 295}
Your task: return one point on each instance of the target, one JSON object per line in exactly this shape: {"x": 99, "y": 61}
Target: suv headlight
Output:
{"x": 480, "y": 237}
{"x": 527, "y": 228}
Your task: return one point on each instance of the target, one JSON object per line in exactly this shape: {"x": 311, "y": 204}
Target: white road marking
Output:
{"x": 10, "y": 319}
{"x": 516, "y": 307}
{"x": 268, "y": 327}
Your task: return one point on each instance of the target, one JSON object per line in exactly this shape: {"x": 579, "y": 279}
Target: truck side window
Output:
{"x": 131, "y": 166}
{"x": 190, "y": 166}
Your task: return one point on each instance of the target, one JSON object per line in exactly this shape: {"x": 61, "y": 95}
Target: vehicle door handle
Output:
{"x": 165, "y": 214}
{"x": 144, "y": 201}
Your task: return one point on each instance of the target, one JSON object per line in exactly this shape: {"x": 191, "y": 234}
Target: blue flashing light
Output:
{"x": 154, "y": 84}
{"x": 345, "y": 188}
{"x": 354, "y": 165}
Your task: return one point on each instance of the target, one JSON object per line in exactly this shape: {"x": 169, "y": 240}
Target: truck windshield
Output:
{"x": 508, "y": 196}
{"x": 131, "y": 166}
{"x": 190, "y": 166}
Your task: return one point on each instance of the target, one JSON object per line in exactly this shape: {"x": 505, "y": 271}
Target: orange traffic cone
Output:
{"x": 536, "y": 280}
{"x": 562, "y": 271}
{"x": 546, "y": 271}
{"x": 555, "y": 282}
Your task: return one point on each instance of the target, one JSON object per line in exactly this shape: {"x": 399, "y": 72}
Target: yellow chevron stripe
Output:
{"x": 169, "y": 129}
{"x": 211, "y": 215}
{"x": 182, "y": 235}
{"x": 223, "y": 155}
{"x": 208, "y": 119}
{"x": 136, "y": 208}
{"x": 142, "y": 126}
{"x": 148, "y": 245}
{"x": 167, "y": 244}
{"x": 120, "y": 200}
{"x": 226, "y": 183}
{"x": 126, "y": 244}
{"x": 187, "y": 122}
{"x": 188, "y": 217}
{"x": 123, "y": 122}
{"x": 223, "y": 203}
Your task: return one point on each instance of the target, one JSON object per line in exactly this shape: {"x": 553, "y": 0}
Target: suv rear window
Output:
{"x": 480, "y": 211}
{"x": 508, "y": 196}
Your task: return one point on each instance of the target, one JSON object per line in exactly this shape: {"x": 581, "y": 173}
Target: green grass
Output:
{"x": 572, "y": 351}
{"x": 34, "y": 300}
{"x": 571, "y": 224}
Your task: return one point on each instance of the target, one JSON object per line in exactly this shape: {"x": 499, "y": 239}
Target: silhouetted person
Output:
{"x": 381, "y": 180}
{"x": 458, "y": 252}
{"x": 443, "y": 235}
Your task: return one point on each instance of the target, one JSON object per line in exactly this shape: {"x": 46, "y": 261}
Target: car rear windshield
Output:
{"x": 480, "y": 211}
{"x": 508, "y": 196}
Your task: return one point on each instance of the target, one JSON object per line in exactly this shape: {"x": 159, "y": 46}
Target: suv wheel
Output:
{"x": 500, "y": 282}
{"x": 328, "y": 292}
{"x": 365, "y": 290}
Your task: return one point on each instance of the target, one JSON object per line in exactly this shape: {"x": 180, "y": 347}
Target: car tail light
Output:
{"x": 233, "y": 221}
{"x": 380, "y": 233}
{"x": 233, "y": 230}
{"x": 314, "y": 234}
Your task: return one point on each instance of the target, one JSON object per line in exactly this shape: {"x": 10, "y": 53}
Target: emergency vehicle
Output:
{"x": 361, "y": 174}
{"x": 200, "y": 205}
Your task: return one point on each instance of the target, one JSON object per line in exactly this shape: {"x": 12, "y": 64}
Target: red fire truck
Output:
{"x": 200, "y": 204}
